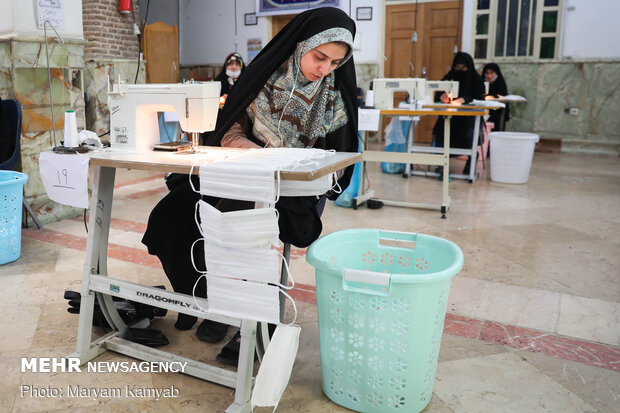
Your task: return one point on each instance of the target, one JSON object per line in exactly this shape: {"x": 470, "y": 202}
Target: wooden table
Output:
{"x": 422, "y": 155}
{"x": 95, "y": 280}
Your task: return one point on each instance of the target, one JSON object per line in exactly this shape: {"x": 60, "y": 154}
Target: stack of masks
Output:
{"x": 242, "y": 267}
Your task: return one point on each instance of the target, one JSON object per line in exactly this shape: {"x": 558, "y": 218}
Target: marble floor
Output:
{"x": 533, "y": 321}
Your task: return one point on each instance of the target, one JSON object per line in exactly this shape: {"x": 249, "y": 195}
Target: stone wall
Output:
{"x": 109, "y": 32}
{"x": 551, "y": 88}
{"x": 23, "y": 76}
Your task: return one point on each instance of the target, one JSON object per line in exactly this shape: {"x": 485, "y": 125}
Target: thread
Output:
{"x": 71, "y": 134}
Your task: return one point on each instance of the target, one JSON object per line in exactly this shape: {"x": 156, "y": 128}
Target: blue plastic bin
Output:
{"x": 11, "y": 193}
{"x": 381, "y": 300}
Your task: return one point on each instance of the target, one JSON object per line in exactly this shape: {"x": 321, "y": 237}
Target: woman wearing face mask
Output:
{"x": 471, "y": 87}
{"x": 298, "y": 92}
{"x": 232, "y": 69}
{"x": 497, "y": 89}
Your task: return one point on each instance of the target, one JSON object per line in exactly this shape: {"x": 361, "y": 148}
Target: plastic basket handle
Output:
{"x": 411, "y": 237}
{"x": 366, "y": 282}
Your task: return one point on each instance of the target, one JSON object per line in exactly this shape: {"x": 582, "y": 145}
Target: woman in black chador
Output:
{"x": 497, "y": 89}
{"x": 471, "y": 87}
{"x": 298, "y": 92}
{"x": 231, "y": 70}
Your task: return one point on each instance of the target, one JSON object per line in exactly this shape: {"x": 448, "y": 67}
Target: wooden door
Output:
{"x": 161, "y": 52}
{"x": 438, "y": 26}
{"x": 278, "y": 23}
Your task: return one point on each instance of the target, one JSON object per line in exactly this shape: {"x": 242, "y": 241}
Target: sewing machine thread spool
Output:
{"x": 71, "y": 133}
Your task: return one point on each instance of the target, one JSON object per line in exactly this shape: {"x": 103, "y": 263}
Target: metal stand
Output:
{"x": 438, "y": 156}
{"x": 95, "y": 280}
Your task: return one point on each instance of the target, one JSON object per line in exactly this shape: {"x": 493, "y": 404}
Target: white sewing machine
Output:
{"x": 451, "y": 87}
{"x": 134, "y": 108}
{"x": 419, "y": 89}
{"x": 383, "y": 90}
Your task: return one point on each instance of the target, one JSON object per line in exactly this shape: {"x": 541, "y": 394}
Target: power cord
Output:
{"x": 138, "y": 33}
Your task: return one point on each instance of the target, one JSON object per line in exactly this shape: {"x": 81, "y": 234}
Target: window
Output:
{"x": 509, "y": 29}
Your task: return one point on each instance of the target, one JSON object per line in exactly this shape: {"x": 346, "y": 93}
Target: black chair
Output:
{"x": 10, "y": 133}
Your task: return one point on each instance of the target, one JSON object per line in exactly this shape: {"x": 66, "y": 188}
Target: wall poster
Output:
{"x": 273, "y": 7}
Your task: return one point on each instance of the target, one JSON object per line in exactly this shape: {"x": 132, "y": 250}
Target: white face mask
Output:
{"x": 245, "y": 181}
{"x": 308, "y": 188}
{"x": 239, "y": 229}
{"x": 243, "y": 299}
{"x": 233, "y": 73}
{"x": 256, "y": 264}
{"x": 276, "y": 367}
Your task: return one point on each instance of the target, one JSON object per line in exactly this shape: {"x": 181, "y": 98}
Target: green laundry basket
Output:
{"x": 381, "y": 300}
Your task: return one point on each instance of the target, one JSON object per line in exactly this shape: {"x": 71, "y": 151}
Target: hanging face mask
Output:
{"x": 233, "y": 73}
{"x": 239, "y": 229}
{"x": 245, "y": 300}
{"x": 276, "y": 367}
{"x": 245, "y": 181}
{"x": 307, "y": 188}
{"x": 257, "y": 264}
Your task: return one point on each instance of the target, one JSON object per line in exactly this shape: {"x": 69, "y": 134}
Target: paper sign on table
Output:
{"x": 65, "y": 178}
{"x": 368, "y": 119}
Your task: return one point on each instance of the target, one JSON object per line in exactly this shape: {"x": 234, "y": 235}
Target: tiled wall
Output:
{"x": 24, "y": 76}
{"x": 550, "y": 88}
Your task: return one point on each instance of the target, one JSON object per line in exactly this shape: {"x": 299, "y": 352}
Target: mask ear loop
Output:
{"x": 294, "y": 307}
{"x": 191, "y": 172}
{"x": 336, "y": 184}
{"x": 277, "y": 182}
{"x": 191, "y": 256}
{"x": 290, "y": 276}
{"x": 194, "y": 294}
{"x": 196, "y": 218}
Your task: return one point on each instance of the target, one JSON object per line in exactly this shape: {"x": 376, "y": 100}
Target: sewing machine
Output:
{"x": 384, "y": 90}
{"x": 451, "y": 87}
{"x": 134, "y": 108}
{"x": 419, "y": 89}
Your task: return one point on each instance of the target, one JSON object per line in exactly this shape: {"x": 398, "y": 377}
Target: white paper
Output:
{"x": 65, "y": 178}
{"x": 52, "y": 11}
{"x": 368, "y": 119}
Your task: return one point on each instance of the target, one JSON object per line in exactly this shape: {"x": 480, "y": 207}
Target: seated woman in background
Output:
{"x": 232, "y": 69}
{"x": 497, "y": 89}
{"x": 471, "y": 87}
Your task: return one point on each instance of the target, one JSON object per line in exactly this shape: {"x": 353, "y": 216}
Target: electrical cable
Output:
{"x": 146, "y": 15}
{"x": 415, "y": 33}
{"x": 235, "y": 17}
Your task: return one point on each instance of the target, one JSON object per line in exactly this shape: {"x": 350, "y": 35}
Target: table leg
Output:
{"x": 96, "y": 257}
{"x": 445, "y": 198}
{"x": 474, "y": 150}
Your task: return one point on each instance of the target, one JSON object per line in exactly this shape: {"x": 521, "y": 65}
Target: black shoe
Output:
{"x": 467, "y": 166}
{"x": 185, "y": 322}
{"x": 211, "y": 331}
{"x": 230, "y": 353}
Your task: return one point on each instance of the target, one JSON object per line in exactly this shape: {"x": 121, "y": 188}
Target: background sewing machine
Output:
{"x": 419, "y": 90}
{"x": 134, "y": 109}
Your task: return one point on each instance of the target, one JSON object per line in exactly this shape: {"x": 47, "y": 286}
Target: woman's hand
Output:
{"x": 458, "y": 101}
